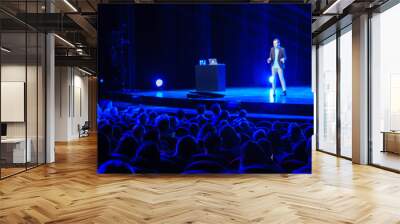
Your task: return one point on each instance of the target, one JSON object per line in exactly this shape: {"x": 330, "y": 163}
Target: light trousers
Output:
{"x": 281, "y": 78}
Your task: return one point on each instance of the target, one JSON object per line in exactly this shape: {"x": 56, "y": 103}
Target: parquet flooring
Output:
{"x": 70, "y": 191}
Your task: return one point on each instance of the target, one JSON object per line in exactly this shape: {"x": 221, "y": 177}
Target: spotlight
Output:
{"x": 159, "y": 83}
{"x": 271, "y": 79}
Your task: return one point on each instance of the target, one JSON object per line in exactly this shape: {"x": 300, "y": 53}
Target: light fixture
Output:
{"x": 84, "y": 71}
{"x": 64, "y": 40}
{"x": 70, "y": 5}
{"x": 159, "y": 83}
{"x": 5, "y": 50}
{"x": 335, "y": 4}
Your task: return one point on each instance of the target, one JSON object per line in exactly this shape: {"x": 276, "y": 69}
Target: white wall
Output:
{"x": 71, "y": 102}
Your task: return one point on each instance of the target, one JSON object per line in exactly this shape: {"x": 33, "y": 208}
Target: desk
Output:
{"x": 210, "y": 77}
{"x": 391, "y": 141}
{"x": 13, "y": 150}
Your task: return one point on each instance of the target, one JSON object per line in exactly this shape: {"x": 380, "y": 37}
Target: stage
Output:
{"x": 299, "y": 100}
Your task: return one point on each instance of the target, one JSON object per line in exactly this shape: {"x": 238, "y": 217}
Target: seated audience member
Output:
{"x": 126, "y": 147}
{"x": 254, "y": 160}
{"x": 204, "y": 130}
{"x": 147, "y": 158}
{"x": 180, "y": 114}
{"x": 294, "y": 133}
{"x": 224, "y": 115}
{"x": 212, "y": 143}
{"x": 163, "y": 124}
{"x": 152, "y": 135}
{"x": 138, "y": 132}
{"x": 194, "y": 129}
{"x": 230, "y": 140}
{"x": 215, "y": 109}
{"x": 152, "y": 117}
{"x": 185, "y": 148}
{"x": 182, "y": 131}
{"x": 142, "y": 119}
{"x": 266, "y": 146}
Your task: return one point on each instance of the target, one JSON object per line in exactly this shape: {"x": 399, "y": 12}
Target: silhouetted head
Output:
{"x": 152, "y": 116}
{"x": 216, "y": 109}
{"x": 224, "y": 115}
{"x": 142, "y": 119}
{"x": 243, "y": 113}
{"x": 180, "y": 114}
{"x": 201, "y": 109}
{"x": 115, "y": 166}
{"x": 295, "y": 132}
{"x": 163, "y": 123}
{"x": 260, "y": 133}
{"x": 186, "y": 147}
{"x": 194, "y": 129}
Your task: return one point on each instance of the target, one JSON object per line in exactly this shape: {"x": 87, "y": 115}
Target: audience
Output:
{"x": 138, "y": 140}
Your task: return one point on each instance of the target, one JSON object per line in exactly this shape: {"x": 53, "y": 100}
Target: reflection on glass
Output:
{"x": 346, "y": 94}
{"x": 14, "y": 146}
{"x": 327, "y": 97}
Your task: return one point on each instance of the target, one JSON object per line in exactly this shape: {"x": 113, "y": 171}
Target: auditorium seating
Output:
{"x": 213, "y": 140}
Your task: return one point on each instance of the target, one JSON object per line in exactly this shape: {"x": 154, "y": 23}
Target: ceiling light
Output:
{"x": 84, "y": 71}
{"x": 5, "y": 50}
{"x": 70, "y": 5}
{"x": 326, "y": 11}
{"x": 64, "y": 40}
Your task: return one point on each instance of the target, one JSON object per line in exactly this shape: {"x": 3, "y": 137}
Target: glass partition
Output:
{"x": 22, "y": 88}
{"x": 327, "y": 96}
{"x": 346, "y": 93}
{"x": 385, "y": 89}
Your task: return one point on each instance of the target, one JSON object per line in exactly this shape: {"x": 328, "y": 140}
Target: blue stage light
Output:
{"x": 101, "y": 80}
{"x": 159, "y": 83}
{"x": 271, "y": 79}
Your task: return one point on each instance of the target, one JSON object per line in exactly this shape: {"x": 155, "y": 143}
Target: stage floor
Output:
{"x": 295, "y": 95}
{"x": 298, "y": 101}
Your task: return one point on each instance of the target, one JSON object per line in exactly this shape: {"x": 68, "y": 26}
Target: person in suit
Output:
{"x": 277, "y": 56}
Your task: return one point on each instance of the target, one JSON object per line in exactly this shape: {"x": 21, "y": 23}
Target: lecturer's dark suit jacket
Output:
{"x": 281, "y": 54}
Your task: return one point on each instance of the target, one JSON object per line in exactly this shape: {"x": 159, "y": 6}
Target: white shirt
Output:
{"x": 276, "y": 61}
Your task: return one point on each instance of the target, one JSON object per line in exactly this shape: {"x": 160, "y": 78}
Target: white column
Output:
{"x": 50, "y": 92}
{"x": 360, "y": 90}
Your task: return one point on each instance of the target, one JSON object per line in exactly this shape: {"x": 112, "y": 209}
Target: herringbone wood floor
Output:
{"x": 70, "y": 191}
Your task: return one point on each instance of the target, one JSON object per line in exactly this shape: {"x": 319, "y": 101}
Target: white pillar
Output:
{"x": 50, "y": 92}
{"x": 360, "y": 90}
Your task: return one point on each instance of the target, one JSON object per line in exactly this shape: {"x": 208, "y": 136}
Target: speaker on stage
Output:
{"x": 210, "y": 77}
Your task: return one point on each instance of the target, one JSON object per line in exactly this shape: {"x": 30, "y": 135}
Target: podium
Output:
{"x": 210, "y": 77}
